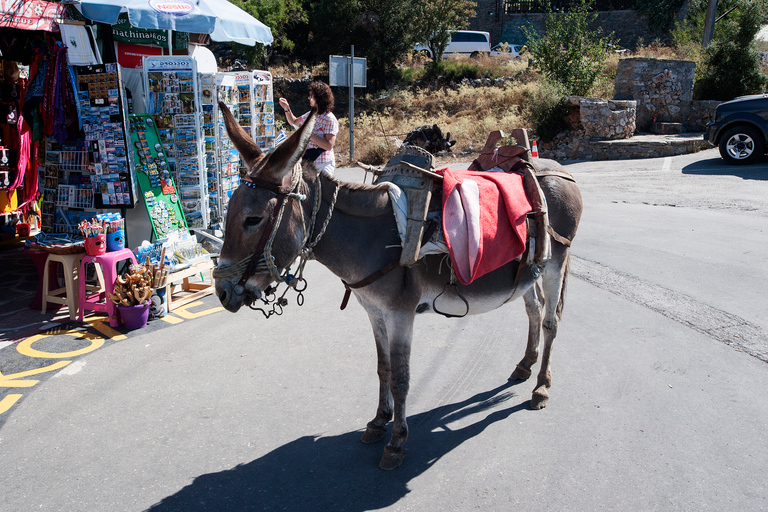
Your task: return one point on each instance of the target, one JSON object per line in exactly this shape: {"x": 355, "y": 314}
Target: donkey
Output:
{"x": 284, "y": 209}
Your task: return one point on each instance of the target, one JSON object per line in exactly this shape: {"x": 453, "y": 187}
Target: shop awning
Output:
{"x": 30, "y": 14}
{"x": 219, "y": 18}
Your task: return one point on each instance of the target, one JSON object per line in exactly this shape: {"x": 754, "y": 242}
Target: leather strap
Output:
{"x": 368, "y": 280}
{"x": 257, "y": 182}
{"x": 559, "y": 174}
{"x": 251, "y": 268}
{"x": 558, "y": 237}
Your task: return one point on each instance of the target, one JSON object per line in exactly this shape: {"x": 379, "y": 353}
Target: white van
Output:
{"x": 463, "y": 42}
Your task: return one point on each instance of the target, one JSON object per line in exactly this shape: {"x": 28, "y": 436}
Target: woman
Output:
{"x": 326, "y": 127}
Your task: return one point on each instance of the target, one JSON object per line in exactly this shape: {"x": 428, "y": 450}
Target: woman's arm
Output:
{"x": 325, "y": 142}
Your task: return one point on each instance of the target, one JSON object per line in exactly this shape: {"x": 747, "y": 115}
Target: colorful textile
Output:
{"x": 483, "y": 220}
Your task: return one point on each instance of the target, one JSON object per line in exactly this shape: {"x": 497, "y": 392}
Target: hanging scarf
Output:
{"x": 23, "y": 138}
{"x": 52, "y": 87}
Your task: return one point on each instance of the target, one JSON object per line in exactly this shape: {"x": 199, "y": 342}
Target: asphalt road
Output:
{"x": 660, "y": 372}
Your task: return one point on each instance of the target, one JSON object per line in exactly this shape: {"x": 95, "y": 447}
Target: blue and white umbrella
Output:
{"x": 219, "y": 18}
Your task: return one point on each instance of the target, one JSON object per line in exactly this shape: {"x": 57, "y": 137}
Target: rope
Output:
{"x": 230, "y": 270}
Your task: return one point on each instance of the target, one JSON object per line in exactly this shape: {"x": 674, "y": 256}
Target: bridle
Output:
{"x": 262, "y": 261}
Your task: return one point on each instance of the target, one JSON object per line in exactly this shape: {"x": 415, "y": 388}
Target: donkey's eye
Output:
{"x": 252, "y": 221}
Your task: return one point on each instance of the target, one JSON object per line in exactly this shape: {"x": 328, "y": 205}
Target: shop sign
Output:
{"x": 30, "y": 14}
{"x": 123, "y": 32}
{"x": 132, "y": 55}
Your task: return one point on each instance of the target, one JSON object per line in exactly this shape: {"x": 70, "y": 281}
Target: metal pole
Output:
{"x": 351, "y": 82}
{"x": 709, "y": 23}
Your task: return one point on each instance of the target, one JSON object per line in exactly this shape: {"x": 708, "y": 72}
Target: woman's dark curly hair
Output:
{"x": 323, "y": 96}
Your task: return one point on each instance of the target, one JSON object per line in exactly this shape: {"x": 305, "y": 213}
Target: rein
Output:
{"x": 261, "y": 261}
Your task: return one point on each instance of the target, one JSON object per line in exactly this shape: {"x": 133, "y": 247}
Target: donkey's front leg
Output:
{"x": 400, "y": 330}
{"x": 377, "y": 427}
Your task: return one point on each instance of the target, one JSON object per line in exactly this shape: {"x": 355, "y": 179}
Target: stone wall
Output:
{"x": 662, "y": 88}
{"x": 697, "y": 114}
{"x": 607, "y": 119}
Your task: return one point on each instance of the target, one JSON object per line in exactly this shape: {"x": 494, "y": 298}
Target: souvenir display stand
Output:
{"x": 225, "y": 159}
{"x": 263, "y": 109}
{"x": 172, "y": 97}
{"x": 249, "y": 96}
{"x": 81, "y": 177}
{"x": 103, "y": 114}
{"x": 154, "y": 177}
{"x": 209, "y": 110}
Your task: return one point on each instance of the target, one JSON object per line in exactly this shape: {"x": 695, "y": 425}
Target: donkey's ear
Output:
{"x": 248, "y": 149}
{"x": 280, "y": 162}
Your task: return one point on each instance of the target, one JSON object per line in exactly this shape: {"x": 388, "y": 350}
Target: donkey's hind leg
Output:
{"x": 377, "y": 427}
{"x": 553, "y": 285}
{"x": 534, "y": 305}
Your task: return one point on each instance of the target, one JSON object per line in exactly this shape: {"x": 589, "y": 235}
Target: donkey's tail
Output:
{"x": 563, "y": 287}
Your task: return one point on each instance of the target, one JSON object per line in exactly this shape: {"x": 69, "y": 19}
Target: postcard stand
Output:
{"x": 173, "y": 92}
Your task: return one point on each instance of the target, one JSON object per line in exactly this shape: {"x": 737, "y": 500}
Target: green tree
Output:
{"x": 661, "y": 13}
{"x": 278, "y": 15}
{"x": 570, "y": 53}
{"x": 328, "y": 30}
{"x": 438, "y": 18}
{"x": 731, "y": 64}
{"x": 385, "y": 31}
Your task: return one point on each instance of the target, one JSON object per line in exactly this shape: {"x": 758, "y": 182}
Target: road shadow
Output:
{"x": 339, "y": 472}
{"x": 717, "y": 167}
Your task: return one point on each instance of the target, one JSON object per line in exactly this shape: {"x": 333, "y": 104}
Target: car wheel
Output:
{"x": 742, "y": 145}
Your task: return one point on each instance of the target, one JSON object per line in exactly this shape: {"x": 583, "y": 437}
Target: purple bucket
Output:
{"x": 134, "y": 317}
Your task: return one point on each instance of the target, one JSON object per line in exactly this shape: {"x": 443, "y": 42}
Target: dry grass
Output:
{"x": 468, "y": 113}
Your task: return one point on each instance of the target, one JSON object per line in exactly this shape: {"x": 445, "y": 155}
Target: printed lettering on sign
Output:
{"x": 178, "y": 8}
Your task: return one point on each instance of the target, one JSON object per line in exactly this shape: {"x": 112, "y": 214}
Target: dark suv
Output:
{"x": 740, "y": 129}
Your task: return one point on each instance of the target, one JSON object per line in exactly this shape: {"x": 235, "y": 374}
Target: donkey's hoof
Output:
{"x": 520, "y": 373}
{"x": 373, "y": 435}
{"x": 539, "y": 399}
{"x": 392, "y": 458}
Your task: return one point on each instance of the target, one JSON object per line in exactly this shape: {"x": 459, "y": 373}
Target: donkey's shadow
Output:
{"x": 339, "y": 472}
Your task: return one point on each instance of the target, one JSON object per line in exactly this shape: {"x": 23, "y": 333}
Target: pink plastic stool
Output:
{"x": 108, "y": 263}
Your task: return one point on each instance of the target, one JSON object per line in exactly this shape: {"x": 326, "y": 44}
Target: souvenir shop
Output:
{"x": 112, "y": 150}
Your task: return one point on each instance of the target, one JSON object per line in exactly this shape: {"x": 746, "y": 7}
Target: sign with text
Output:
{"x": 338, "y": 71}
{"x": 30, "y": 14}
{"x": 124, "y": 32}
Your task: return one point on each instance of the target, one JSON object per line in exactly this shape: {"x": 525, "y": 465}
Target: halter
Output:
{"x": 262, "y": 261}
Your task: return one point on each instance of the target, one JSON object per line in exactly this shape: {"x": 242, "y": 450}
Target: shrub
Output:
{"x": 546, "y": 108}
{"x": 377, "y": 153}
{"x": 570, "y": 52}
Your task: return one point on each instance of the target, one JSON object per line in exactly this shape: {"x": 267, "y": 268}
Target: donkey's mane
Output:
{"x": 356, "y": 199}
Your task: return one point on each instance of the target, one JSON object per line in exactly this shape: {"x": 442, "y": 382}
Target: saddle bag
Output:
{"x": 515, "y": 159}
{"x": 417, "y": 187}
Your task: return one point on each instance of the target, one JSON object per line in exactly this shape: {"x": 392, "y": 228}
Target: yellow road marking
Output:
{"x": 7, "y": 402}
{"x": 106, "y": 329}
{"x": 182, "y": 311}
{"x": 172, "y": 319}
{"x": 25, "y": 347}
{"x": 9, "y": 381}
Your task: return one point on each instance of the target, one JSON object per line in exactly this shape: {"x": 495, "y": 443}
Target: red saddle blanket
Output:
{"x": 483, "y": 220}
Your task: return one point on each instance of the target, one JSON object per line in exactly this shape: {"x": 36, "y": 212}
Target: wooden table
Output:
{"x": 179, "y": 290}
